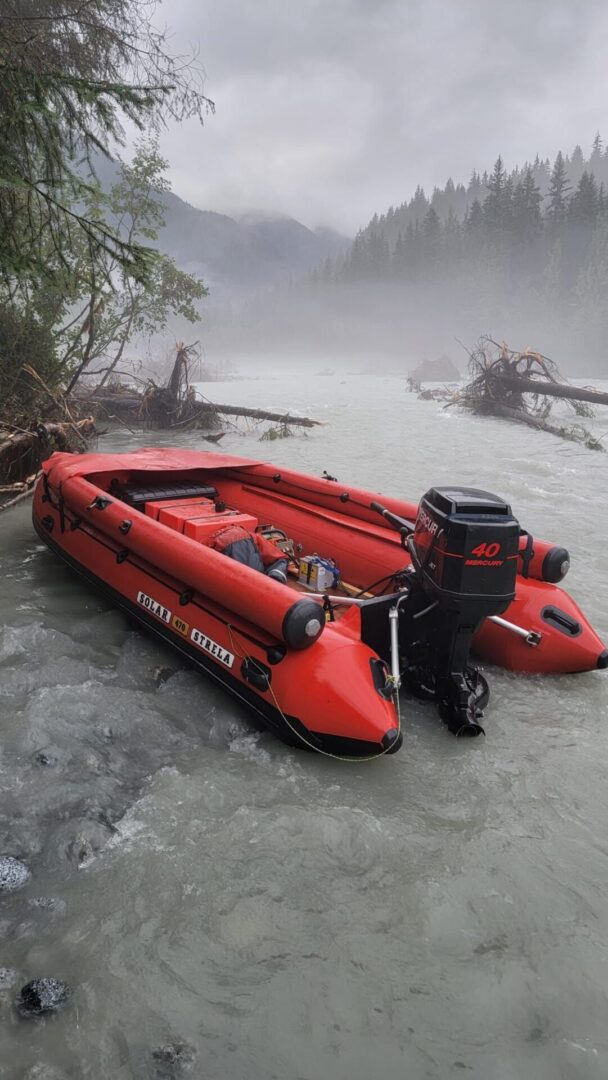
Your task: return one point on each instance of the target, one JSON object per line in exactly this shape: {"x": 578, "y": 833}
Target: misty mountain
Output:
{"x": 233, "y": 256}
{"x": 236, "y": 255}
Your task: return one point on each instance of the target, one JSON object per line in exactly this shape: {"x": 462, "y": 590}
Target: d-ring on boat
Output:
{"x": 374, "y": 592}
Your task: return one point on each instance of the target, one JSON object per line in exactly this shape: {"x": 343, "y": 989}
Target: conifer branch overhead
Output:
{"x": 72, "y": 72}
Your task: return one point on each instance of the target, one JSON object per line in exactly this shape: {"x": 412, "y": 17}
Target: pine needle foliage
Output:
{"x": 72, "y": 72}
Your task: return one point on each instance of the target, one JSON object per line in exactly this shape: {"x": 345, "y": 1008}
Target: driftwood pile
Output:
{"x": 67, "y": 422}
{"x": 169, "y": 406}
{"x": 176, "y": 405}
{"x": 24, "y": 446}
{"x": 437, "y": 393}
{"x": 22, "y": 453}
{"x": 521, "y": 386}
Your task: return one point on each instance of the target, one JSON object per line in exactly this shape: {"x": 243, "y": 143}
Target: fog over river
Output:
{"x": 439, "y": 913}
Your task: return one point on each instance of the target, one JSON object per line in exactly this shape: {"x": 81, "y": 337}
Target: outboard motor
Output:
{"x": 464, "y": 550}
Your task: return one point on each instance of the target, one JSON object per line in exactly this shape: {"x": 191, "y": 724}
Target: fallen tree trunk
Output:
{"x": 574, "y": 432}
{"x": 133, "y": 403}
{"x": 24, "y": 494}
{"x": 112, "y": 401}
{"x": 496, "y": 408}
{"x": 263, "y": 414}
{"x": 13, "y": 489}
{"x": 551, "y": 389}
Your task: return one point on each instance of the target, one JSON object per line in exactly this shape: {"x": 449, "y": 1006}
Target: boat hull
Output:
{"x": 328, "y": 692}
{"x": 326, "y": 698}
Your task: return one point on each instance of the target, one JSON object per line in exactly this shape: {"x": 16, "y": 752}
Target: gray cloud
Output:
{"x": 328, "y": 110}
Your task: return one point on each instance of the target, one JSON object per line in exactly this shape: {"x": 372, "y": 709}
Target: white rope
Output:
{"x": 302, "y": 738}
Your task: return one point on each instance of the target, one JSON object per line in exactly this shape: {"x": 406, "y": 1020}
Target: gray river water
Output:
{"x": 440, "y": 913}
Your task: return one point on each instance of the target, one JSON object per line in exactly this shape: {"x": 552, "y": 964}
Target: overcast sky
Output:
{"x": 330, "y": 110}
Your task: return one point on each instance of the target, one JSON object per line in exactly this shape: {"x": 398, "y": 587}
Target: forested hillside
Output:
{"x": 522, "y": 254}
{"x": 526, "y": 219}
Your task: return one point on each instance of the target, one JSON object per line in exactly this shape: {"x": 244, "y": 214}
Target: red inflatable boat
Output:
{"x": 368, "y": 596}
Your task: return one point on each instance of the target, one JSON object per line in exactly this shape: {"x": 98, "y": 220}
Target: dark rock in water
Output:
{"x": 163, "y": 674}
{"x": 41, "y": 996}
{"x": 442, "y": 370}
{"x": 46, "y": 758}
{"x": 7, "y": 978}
{"x": 173, "y": 1058}
{"x": 105, "y": 819}
{"x": 13, "y": 873}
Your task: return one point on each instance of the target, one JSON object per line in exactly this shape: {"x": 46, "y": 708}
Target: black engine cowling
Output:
{"x": 464, "y": 549}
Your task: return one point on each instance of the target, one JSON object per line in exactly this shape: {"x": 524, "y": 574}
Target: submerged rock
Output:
{"x": 75, "y": 841}
{"x": 41, "y": 996}
{"x": 7, "y": 978}
{"x": 163, "y": 674}
{"x": 173, "y": 1058}
{"x": 47, "y": 903}
{"x": 13, "y": 873}
{"x": 104, "y": 817}
{"x": 80, "y": 850}
{"x": 41, "y": 1071}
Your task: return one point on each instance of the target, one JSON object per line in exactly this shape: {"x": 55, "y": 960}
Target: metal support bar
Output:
{"x": 335, "y": 599}
{"x": 531, "y": 637}
{"x": 394, "y": 623}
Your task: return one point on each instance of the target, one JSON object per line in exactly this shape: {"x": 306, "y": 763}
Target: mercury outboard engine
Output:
{"x": 464, "y": 549}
